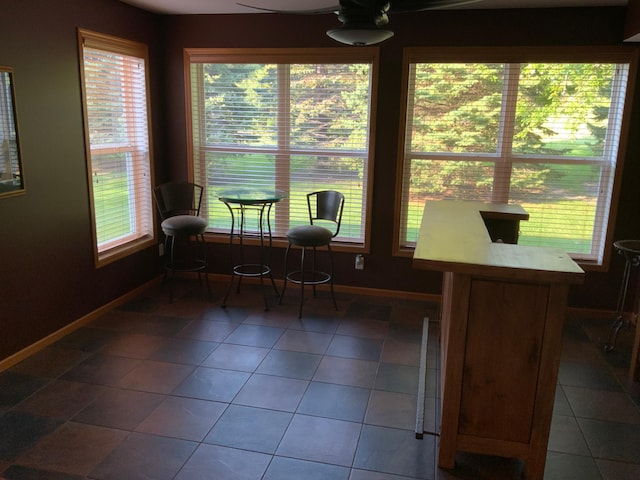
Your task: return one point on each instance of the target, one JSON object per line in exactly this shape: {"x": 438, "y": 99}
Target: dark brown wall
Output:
{"x": 554, "y": 27}
{"x": 47, "y": 274}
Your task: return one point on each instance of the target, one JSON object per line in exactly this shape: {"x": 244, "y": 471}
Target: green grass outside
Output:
{"x": 111, "y": 194}
{"x": 220, "y": 218}
{"x": 536, "y": 231}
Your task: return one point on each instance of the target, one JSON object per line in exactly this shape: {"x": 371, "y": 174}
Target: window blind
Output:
{"x": 116, "y": 115}
{"x": 543, "y": 135}
{"x": 297, "y": 127}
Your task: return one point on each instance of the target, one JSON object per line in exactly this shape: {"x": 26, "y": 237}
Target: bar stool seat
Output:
{"x": 310, "y": 236}
{"x": 184, "y": 225}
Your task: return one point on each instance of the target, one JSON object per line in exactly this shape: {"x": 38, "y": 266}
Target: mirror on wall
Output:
{"x": 11, "y": 178}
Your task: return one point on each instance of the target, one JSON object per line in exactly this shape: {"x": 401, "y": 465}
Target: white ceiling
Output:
{"x": 231, "y": 6}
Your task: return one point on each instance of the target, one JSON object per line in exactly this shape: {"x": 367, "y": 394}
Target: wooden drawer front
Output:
{"x": 505, "y": 332}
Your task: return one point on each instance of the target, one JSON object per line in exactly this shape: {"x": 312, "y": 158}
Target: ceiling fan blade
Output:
{"x": 406, "y": 6}
{"x": 317, "y": 11}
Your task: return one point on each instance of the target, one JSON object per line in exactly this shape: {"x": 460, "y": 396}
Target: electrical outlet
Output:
{"x": 160, "y": 249}
{"x": 359, "y": 262}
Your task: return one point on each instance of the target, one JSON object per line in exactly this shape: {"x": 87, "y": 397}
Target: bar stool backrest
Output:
{"x": 178, "y": 198}
{"x": 326, "y": 206}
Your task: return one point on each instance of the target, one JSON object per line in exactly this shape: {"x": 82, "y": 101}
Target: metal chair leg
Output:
{"x": 313, "y": 270}
{"x": 301, "y": 281}
{"x": 619, "y": 321}
{"x": 286, "y": 274}
{"x": 333, "y": 295}
{"x": 205, "y": 263}
{"x": 172, "y": 241}
{"x": 166, "y": 263}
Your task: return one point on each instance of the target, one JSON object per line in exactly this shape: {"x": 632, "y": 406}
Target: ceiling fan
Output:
{"x": 362, "y": 19}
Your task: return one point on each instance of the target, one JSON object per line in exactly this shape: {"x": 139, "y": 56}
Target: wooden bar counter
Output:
{"x": 502, "y": 315}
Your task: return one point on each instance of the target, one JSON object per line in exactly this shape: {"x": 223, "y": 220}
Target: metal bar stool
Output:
{"x": 325, "y": 207}
{"x": 630, "y": 249}
{"x": 179, "y": 207}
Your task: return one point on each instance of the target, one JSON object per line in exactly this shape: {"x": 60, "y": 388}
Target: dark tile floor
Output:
{"x": 191, "y": 391}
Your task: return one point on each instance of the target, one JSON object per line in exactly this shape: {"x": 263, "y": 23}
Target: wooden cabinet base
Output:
{"x": 501, "y": 343}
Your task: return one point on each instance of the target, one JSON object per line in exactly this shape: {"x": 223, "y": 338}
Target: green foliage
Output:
{"x": 560, "y": 110}
{"x": 566, "y": 101}
{"x": 430, "y": 178}
{"x": 327, "y": 108}
{"x": 239, "y": 103}
{"x": 456, "y": 107}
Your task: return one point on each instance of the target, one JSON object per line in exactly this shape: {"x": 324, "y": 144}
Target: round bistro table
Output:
{"x": 245, "y": 206}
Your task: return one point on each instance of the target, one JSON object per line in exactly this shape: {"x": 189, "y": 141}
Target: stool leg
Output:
{"x": 333, "y": 295}
{"x": 301, "y": 281}
{"x": 286, "y": 273}
{"x": 313, "y": 270}
{"x": 197, "y": 256}
{"x": 273, "y": 284}
{"x": 231, "y": 233}
{"x": 619, "y": 320}
{"x": 205, "y": 263}
{"x": 167, "y": 252}
{"x": 172, "y": 241}
{"x": 171, "y": 265}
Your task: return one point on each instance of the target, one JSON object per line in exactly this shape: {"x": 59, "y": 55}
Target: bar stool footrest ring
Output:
{"x": 251, "y": 270}
{"x": 311, "y": 277}
{"x": 187, "y": 266}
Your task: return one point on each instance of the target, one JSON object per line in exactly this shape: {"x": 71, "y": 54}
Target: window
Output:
{"x": 114, "y": 81}
{"x": 295, "y": 121}
{"x": 11, "y": 177}
{"x": 543, "y": 134}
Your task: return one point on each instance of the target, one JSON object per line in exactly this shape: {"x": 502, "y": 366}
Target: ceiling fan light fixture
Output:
{"x": 359, "y": 35}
